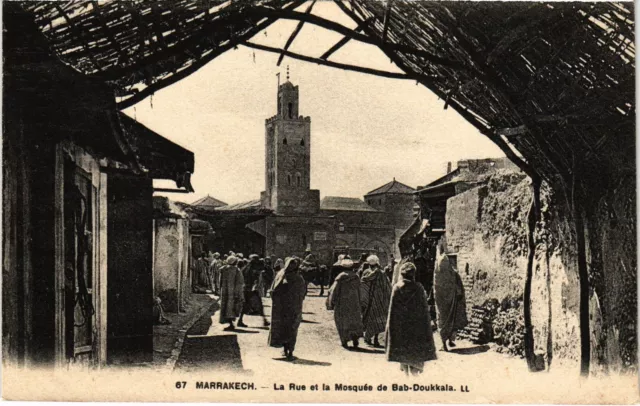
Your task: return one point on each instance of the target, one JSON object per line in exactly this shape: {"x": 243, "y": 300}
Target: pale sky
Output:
{"x": 365, "y": 130}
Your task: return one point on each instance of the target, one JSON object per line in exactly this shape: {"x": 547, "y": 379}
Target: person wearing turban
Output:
{"x": 375, "y": 294}
{"x": 231, "y": 292}
{"x": 409, "y": 339}
{"x": 344, "y": 300}
{"x": 287, "y": 295}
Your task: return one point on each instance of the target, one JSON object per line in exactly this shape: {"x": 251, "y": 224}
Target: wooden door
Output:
{"x": 80, "y": 277}
{"x": 80, "y": 195}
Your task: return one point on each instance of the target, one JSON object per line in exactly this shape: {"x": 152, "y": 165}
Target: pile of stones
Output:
{"x": 498, "y": 322}
{"x": 508, "y": 332}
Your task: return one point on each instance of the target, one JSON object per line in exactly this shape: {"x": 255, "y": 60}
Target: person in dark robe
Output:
{"x": 252, "y": 300}
{"x": 267, "y": 277}
{"x": 287, "y": 295}
{"x": 231, "y": 292}
{"x": 375, "y": 294}
{"x": 450, "y": 300}
{"x": 344, "y": 300}
{"x": 409, "y": 339}
{"x": 422, "y": 271}
{"x": 336, "y": 269}
{"x": 397, "y": 277}
{"x": 309, "y": 268}
{"x": 201, "y": 274}
{"x": 362, "y": 265}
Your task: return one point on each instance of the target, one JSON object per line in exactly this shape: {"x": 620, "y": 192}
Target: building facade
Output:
{"x": 290, "y": 218}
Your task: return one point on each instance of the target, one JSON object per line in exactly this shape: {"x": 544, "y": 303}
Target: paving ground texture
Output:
{"x": 208, "y": 348}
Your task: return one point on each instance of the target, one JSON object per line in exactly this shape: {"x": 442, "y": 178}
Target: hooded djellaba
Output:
{"x": 287, "y": 295}
{"x": 375, "y": 294}
{"x": 231, "y": 292}
{"x": 409, "y": 336}
{"x": 450, "y": 300}
{"x": 252, "y": 299}
{"x": 344, "y": 300}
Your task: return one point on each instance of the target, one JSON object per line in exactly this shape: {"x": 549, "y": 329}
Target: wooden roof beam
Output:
{"x": 385, "y": 28}
{"x": 80, "y": 34}
{"x": 343, "y": 66}
{"x": 464, "y": 112}
{"x": 343, "y": 41}
{"x": 341, "y": 29}
{"x": 109, "y": 34}
{"x": 149, "y": 90}
{"x": 294, "y": 34}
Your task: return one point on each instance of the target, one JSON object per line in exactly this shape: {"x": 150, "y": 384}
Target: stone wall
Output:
{"x": 292, "y": 235}
{"x": 486, "y": 227}
{"x": 170, "y": 263}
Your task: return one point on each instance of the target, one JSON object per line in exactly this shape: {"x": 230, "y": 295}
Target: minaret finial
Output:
{"x": 287, "y": 73}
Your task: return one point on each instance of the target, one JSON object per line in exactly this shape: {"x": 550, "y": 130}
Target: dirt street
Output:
{"x": 208, "y": 348}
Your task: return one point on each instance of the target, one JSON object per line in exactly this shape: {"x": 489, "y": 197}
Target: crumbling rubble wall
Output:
{"x": 486, "y": 227}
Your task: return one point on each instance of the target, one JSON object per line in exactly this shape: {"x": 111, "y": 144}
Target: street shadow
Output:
{"x": 210, "y": 353}
{"x": 301, "y": 361}
{"x": 308, "y": 313}
{"x": 202, "y": 325}
{"x": 310, "y": 322}
{"x": 262, "y": 328}
{"x": 242, "y": 331}
{"x": 366, "y": 350}
{"x": 470, "y": 350}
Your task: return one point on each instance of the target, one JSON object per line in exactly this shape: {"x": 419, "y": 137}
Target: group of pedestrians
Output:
{"x": 366, "y": 299}
{"x": 360, "y": 301}
{"x": 365, "y": 305}
{"x": 240, "y": 283}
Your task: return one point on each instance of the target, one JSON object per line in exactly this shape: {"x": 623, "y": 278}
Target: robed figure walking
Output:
{"x": 344, "y": 300}
{"x": 231, "y": 292}
{"x": 375, "y": 294}
{"x": 287, "y": 295}
{"x": 252, "y": 299}
{"x": 409, "y": 339}
{"x": 450, "y": 300}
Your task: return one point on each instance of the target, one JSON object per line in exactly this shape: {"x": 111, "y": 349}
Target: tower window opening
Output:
{"x": 298, "y": 179}
{"x": 290, "y": 106}
{"x": 302, "y": 142}
{"x": 284, "y": 141}
{"x": 289, "y": 179}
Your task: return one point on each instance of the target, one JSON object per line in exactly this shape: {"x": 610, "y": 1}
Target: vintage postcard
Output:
{"x": 347, "y": 201}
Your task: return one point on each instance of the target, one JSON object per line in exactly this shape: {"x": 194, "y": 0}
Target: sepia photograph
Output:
{"x": 325, "y": 201}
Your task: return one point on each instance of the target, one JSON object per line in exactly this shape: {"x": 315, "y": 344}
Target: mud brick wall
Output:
{"x": 486, "y": 227}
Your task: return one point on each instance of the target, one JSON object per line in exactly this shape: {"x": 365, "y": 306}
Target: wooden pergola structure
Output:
{"x": 552, "y": 84}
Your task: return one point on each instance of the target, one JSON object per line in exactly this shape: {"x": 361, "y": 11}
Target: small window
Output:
{"x": 298, "y": 179}
{"x": 302, "y": 142}
{"x": 289, "y": 179}
{"x": 284, "y": 141}
{"x": 290, "y": 105}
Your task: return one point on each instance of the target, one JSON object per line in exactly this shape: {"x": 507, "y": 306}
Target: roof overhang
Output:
{"x": 161, "y": 158}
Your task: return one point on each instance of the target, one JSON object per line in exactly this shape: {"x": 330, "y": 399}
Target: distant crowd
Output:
{"x": 366, "y": 299}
